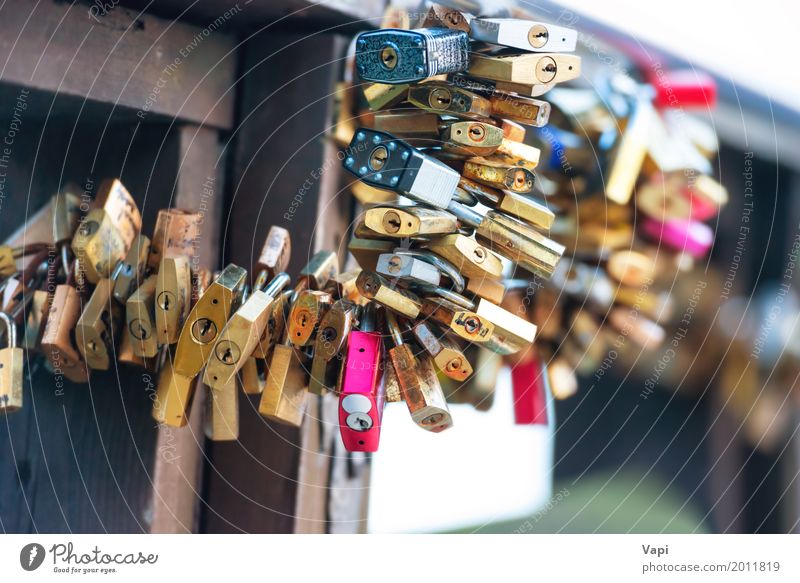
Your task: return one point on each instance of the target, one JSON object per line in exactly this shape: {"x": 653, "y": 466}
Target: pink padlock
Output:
{"x": 684, "y": 88}
{"x": 362, "y": 395}
{"x": 692, "y": 237}
{"x": 530, "y": 393}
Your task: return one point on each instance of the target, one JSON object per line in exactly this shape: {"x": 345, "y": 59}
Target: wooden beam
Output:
{"x": 151, "y": 67}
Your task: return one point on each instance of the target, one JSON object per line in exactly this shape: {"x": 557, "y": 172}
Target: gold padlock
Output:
{"x": 471, "y": 258}
{"x": 447, "y": 356}
{"x": 283, "y": 399}
{"x": 521, "y": 207}
{"x": 491, "y": 289}
{"x": 513, "y": 154}
{"x": 410, "y": 221}
{"x": 334, "y": 328}
{"x": 443, "y": 98}
{"x": 471, "y": 138}
{"x": 175, "y": 235}
{"x": 98, "y": 245}
{"x": 36, "y": 320}
{"x": 121, "y": 209}
{"x": 382, "y": 95}
{"x": 173, "y": 298}
{"x": 304, "y": 315}
{"x": 520, "y": 109}
{"x": 12, "y": 362}
{"x": 207, "y": 319}
{"x": 252, "y": 377}
{"x": 497, "y": 175}
{"x": 465, "y": 323}
{"x": 97, "y": 325}
{"x": 222, "y": 413}
{"x": 130, "y": 273}
{"x": 532, "y": 74}
{"x": 375, "y": 287}
{"x": 367, "y": 251}
{"x": 174, "y": 394}
{"x": 57, "y": 341}
{"x": 140, "y": 316}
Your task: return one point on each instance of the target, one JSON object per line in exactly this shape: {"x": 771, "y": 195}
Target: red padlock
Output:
{"x": 684, "y": 88}
{"x": 528, "y": 381}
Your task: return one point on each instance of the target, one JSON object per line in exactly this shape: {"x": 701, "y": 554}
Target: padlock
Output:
{"x": 222, "y": 413}
{"x": 471, "y": 258}
{"x": 526, "y": 74}
{"x": 252, "y": 376}
{"x": 343, "y": 286}
{"x": 361, "y": 394}
{"x": 471, "y": 138}
{"x": 130, "y": 272}
{"x": 529, "y": 390}
{"x": 174, "y": 395}
{"x": 405, "y": 222}
{"x": 439, "y": 16}
{"x": 367, "y": 251}
{"x": 512, "y": 130}
{"x": 58, "y": 344}
{"x": 391, "y": 383}
{"x": 528, "y": 35}
{"x": 510, "y": 333}
{"x": 140, "y": 318}
{"x": 403, "y": 56}
{"x": 207, "y": 319}
{"x": 377, "y": 288}
{"x": 443, "y": 98}
{"x": 630, "y": 152}
{"x": 35, "y": 320}
{"x": 283, "y": 399}
{"x": 121, "y": 209}
{"x": 304, "y": 315}
{"x": 276, "y": 325}
{"x": 447, "y": 356}
{"x": 465, "y": 323}
{"x": 382, "y": 95}
{"x": 524, "y": 110}
{"x": 407, "y": 268}
{"x": 691, "y": 237}
{"x": 97, "y": 326}
{"x": 514, "y": 240}
{"x": 485, "y": 287}
{"x": 173, "y": 298}
{"x": 366, "y": 194}
{"x": 12, "y": 363}
{"x": 66, "y": 211}
{"x": 242, "y": 332}
{"x": 501, "y": 176}
{"x": 320, "y": 269}
{"x": 125, "y": 355}
{"x": 411, "y": 125}
{"x": 98, "y": 245}
{"x": 275, "y": 253}
{"x": 383, "y": 161}
{"x": 334, "y": 329}
{"x": 175, "y": 235}
{"x": 521, "y": 207}
{"x": 631, "y": 268}
{"x": 515, "y": 154}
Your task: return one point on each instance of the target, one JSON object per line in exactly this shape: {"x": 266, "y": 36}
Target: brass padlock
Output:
{"x": 532, "y": 74}
{"x": 471, "y": 258}
{"x": 410, "y": 221}
{"x": 326, "y": 365}
{"x": 276, "y": 324}
{"x": 484, "y": 287}
{"x": 130, "y": 272}
{"x": 12, "y": 363}
{"x": 410, "y": 125}
{"x": 524, "y": 110}
{"x": 375, "y": 287}
{"x": 98, "y": 245}
{"x": 94, "y": 332}
{"x": 408, "y": 268}
{"x": 465, "y": 323}
{"x": 140, "y": 317}
{"x": 121, "y": 209}
{"x": 36, "y": 320}
{"x": 58, "y": 344}
{"x": 471, "y": 138}
{"x": 173, "y": 298}
{"x": 275, "y": 253}
{"x": 174, "y": 394}
{"x": 443, "y": 98}
{"x": 497, "y": 175}
{"x": 252, "y": 376}
{"x": 125, "y": 355}
{"x": 207, "y": 319}
{"x": 283, "y": 399}
{"x": 514, "y": 154}
{"x": 304, "y": 315}
{"x": 521, "y": 207}
{"x": 242, "y": 332}
{"x": 383, "y": 95}
{"x": 367, "y": 251}
{"x": 322, "y": 267}
{"x": 511, "y": 333}
{"x": 439, "y": 16}
{"x": 222, "y": 413}
{"x": 447, "y": 356}
{"x": 175, "y": 235}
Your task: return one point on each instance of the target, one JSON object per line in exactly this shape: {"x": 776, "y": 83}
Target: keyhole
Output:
{"x": 377, "y": 159}
{"x": 388, "y": 56}
{"x": 391, "y": 222}
{"x": 440, "y": 98}
{"x": 477, "y": 132}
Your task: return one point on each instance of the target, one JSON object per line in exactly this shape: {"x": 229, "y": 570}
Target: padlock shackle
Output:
{"x": 11, "y": 329}
{"x": 278, "y": 283}
{"x": 439, "y": 263}
{"x": 394, "y": 328}
{"x": 465, "y": 214}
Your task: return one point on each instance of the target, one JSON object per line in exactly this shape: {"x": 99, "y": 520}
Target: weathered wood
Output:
{"x": 146, "y": 65}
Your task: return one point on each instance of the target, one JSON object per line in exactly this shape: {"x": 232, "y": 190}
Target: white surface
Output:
{"x": 483, "y": 469}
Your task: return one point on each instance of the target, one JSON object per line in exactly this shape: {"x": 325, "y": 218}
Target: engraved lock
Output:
{"x": 526, "y": 74}
{"x": 275, "y": 253}
{"x": 175, "y": 235}
{"x": 361, "y": 396}
{"x": 11, "y": 368}
{"x": 58, "y": 344}
{"x": 222, "y": 413}
{"x": 121, "y": 209}
{"x": 497, "y": 175}
{"x": 514, "y": 240}
{"x": 471, "y": 138}
{"x": 446, "y": 354}
{"x": 397, "y": 56}
{"x": 242, "y": 332}
{"x": 98, "y": 245}
{"x": 514, "y": 154}
{"x": 283, "y": 399}
{"x": 130, "y": 273}
{"x": 304, "y": 315}
{"x": 367, "y": 251}
{"x": 421, "y": 389}
{"x": 524, "y": 110}
{"x": 512, "y": 130}
{"x": 407, "y": 268}
{"x": 383, "y": 161}
{"x": 444, "y": 98}
{"x": 207, "y": 319}
{"x": 174, "y": 395}
{"x": 409, "y": 221}
{"x": 140, "y": 318}
{"x": 383, "y": 95}
{"x": 97, "y": 326}
{"x": 334, "y": 329}
{"x": 521, "y": 207}
{"x": 375, "y": 287}
{"x": 66, "y": 210}
{"x": 36, "y": 320}
{"x": 468, "y": 256}
{"x": 173, "y": 300}
{"x": 527, "y": 35}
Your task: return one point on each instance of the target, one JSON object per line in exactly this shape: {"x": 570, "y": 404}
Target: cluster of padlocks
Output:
{"x": 459, "y": 258}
